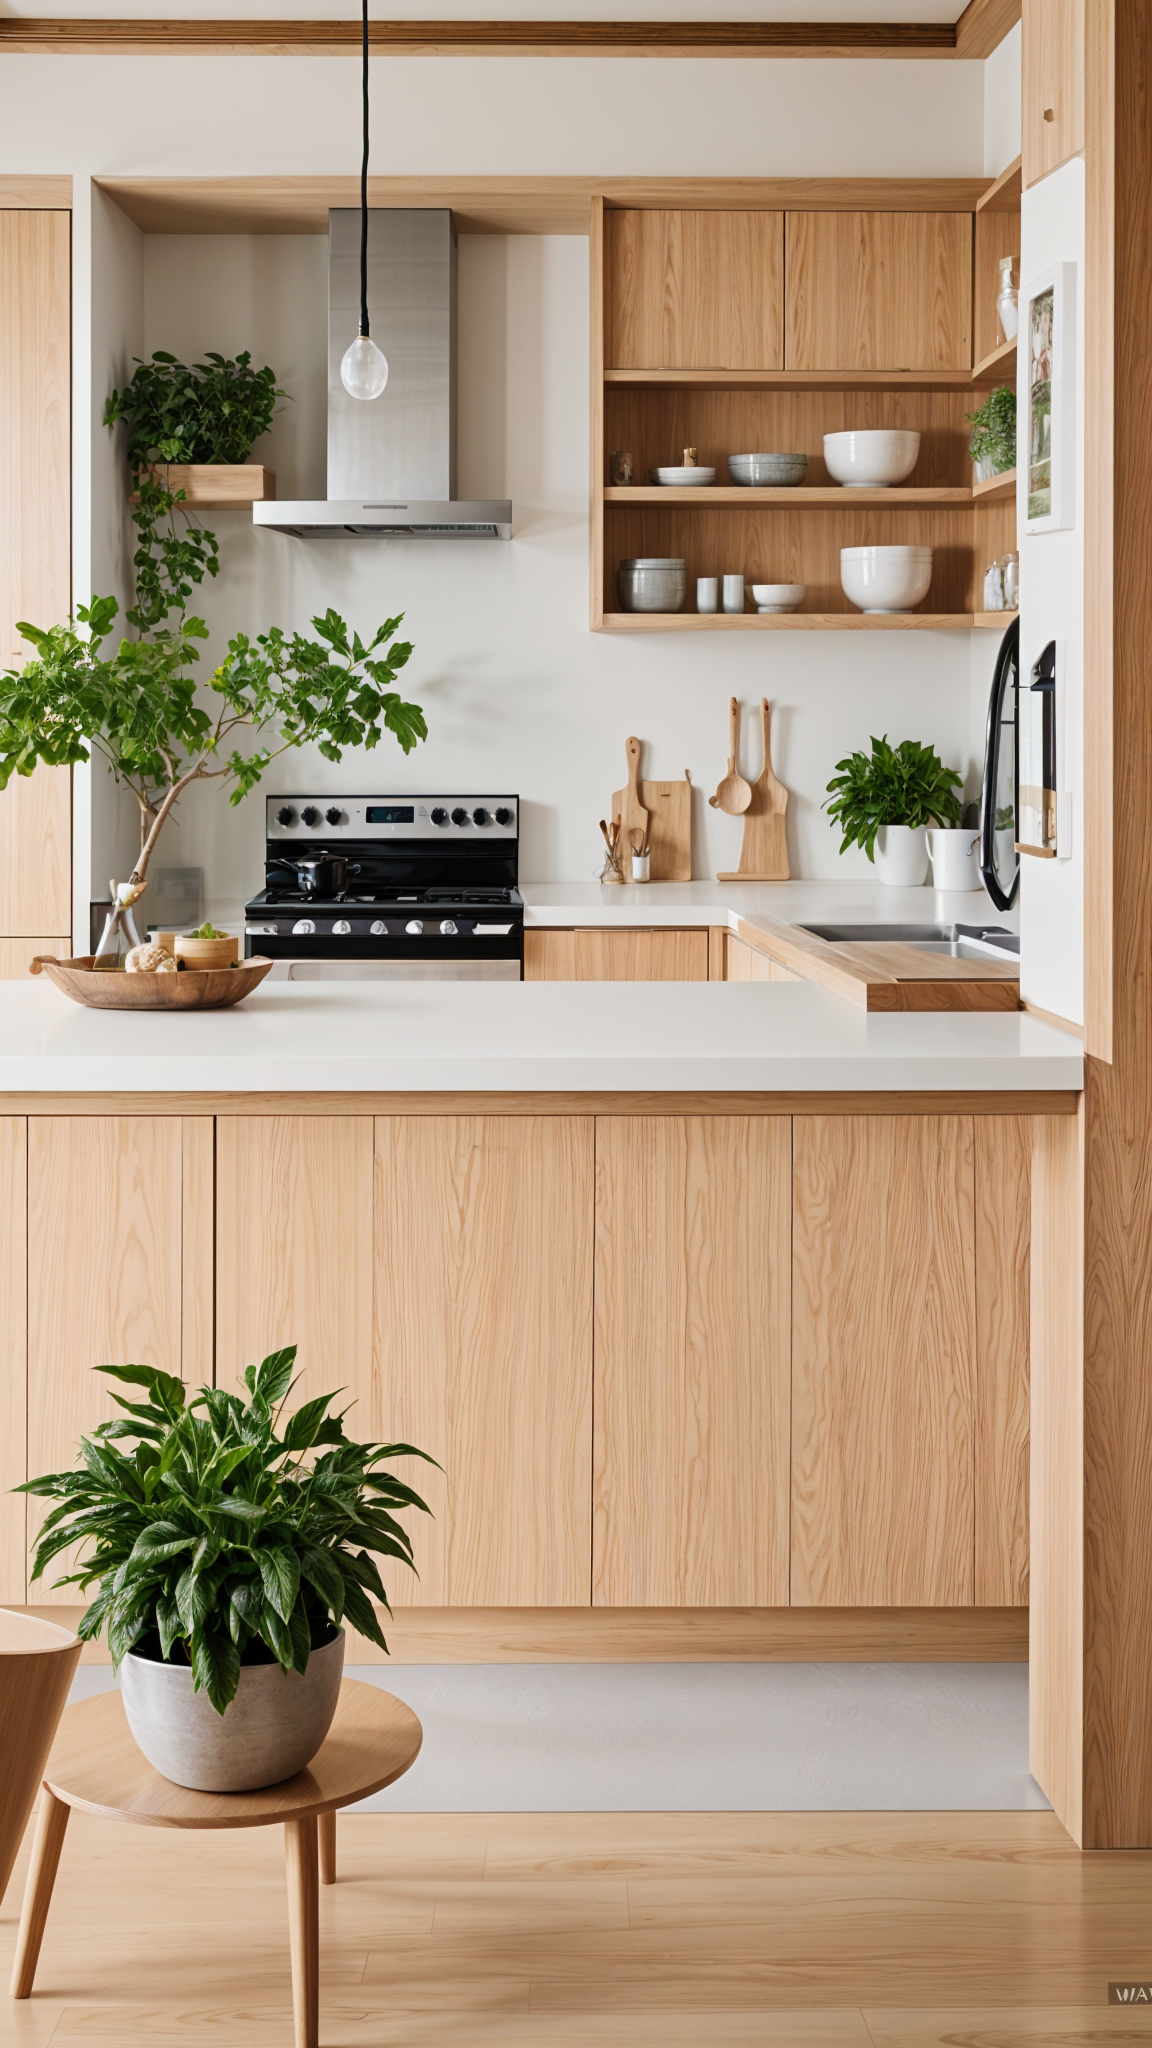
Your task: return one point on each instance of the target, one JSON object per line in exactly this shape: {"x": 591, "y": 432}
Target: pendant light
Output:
{"x": 364, "y": 369}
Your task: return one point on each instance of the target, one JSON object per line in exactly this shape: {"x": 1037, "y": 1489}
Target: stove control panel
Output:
{"x": 297, "y": 819}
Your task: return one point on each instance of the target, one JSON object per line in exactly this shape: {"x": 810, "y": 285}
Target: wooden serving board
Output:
{"x": 764, "y": 847}
{"x": 669, "y": 808}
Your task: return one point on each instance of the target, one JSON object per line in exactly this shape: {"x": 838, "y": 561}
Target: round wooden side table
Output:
{"x": 94, "y": 1763}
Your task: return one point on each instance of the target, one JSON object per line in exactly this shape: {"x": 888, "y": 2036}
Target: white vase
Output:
{"x": 902, "y": 855}
{"x": 271, "y": 1730}
{"x": 954, "y": 853}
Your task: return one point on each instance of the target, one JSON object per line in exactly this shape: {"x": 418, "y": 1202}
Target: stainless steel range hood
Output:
{"x": 392, "y": 459}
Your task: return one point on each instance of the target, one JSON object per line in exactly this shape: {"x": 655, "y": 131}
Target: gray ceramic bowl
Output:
{"x": 652, "y": 583}
{"x": 765, "y": 470}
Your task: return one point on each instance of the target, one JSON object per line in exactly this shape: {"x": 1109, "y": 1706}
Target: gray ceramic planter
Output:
{"x": 271, "y": 1730}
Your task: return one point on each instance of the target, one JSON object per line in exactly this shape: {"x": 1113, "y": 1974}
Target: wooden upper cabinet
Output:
{"x": 883, "y": 1361}
{"x": 693, "y": 290}
{"x": 878, "y": 291}
{"x": 35, "y": 543}
{"x": 1052, "y": 85}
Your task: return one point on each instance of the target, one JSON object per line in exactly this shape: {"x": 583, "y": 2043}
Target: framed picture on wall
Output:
{"x": 1046, "y": 379}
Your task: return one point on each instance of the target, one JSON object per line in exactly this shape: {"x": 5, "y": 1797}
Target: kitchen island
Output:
{"x": 711, "y": 1300}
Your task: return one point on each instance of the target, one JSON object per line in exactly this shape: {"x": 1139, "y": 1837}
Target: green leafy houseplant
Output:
{"x": 904, "y": 785}
{"x": 206, "y": 412}
{"x": 223, "y": 1539}
{"x": 993, "y": 424}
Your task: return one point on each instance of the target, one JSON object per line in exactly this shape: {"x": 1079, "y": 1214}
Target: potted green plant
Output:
{"x": 884, "y": 801}
{"x": 992, "y": 444}
{"x": 229, "y": 1546}
{"x": 188, "y": 413}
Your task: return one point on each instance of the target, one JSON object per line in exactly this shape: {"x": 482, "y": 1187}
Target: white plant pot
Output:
{"x": 271, "y": 1730}
{"x": 902, "y": 855}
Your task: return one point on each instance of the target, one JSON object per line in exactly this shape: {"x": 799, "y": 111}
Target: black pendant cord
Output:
{"x": 364, "y": 186}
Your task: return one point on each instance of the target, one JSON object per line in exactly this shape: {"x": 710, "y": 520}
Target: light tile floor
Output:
{"x": 539, "y": 1738}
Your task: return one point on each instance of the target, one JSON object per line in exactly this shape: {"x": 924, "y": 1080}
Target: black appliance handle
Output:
{"x": 1007, "y": 659}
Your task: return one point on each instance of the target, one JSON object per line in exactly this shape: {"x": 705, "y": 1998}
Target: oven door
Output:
{"x": 396, "y": 970}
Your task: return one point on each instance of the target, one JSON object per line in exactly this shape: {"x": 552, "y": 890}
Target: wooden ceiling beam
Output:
{"x": 174, "y": 37}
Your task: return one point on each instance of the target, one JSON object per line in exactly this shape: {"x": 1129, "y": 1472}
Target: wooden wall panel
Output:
{"x": 105, "y": 1241}
{"x": 883, "y": 1361}
{"x": 483, "y": 1351}
{"x": 198, "y": 1249}
{"x": 692, "y": 1362}
{"x": 694, "y": 291}
{"x": 294, "y": 1251}
{"x": 35, "y": 542}
{"x": 13, "y": 1352}
{"x": 902, "y": 298}
{"x": 1003, "y": 1244}
{"x": 1052, "y": 85}
{"x": 587, "y": 955}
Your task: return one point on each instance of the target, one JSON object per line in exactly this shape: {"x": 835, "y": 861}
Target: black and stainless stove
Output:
{"x": 390, "y": 888}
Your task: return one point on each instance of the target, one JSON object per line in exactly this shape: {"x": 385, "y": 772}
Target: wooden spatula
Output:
{"x": 764, "y": 847}
{"x": 733, "y": 794}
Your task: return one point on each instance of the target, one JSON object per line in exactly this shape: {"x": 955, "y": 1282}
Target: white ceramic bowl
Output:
{"x": 886, "y": 579}
{"x": 871, "y": 459}
{"x": 683, "y": 479}
{"x": 778, "y": 597}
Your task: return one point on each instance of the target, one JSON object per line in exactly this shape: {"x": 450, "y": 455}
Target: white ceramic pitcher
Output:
{"x": 953, "y": 852}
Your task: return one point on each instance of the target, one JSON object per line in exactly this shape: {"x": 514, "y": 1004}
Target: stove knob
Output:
{"x": 503, "y": 815}
{"x": 479, "y": 815}
{"x": 414, "y": 926}
{"x": 310, "y": 815}
{"x": 459, "y": 816}
{"x": 448, "y": 927}
{"x": 378, "y": 928}
{"x": 304, "y": 924}
{"x": 342, "y": 927}
{"x": 439, "y": 815}
{"x": 333, "y": 814}
{"x": 285, "y": 815}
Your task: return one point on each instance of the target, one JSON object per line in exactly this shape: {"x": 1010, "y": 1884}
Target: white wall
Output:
{"x": 517, "y": 691}
{"x": 1002, "y": 104}
{"x": 1052, "y": 608}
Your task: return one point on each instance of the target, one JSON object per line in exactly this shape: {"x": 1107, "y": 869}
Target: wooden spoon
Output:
{"x": 733, "y": 794}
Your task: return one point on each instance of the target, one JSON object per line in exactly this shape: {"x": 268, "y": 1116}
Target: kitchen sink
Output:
{"x": 960, "y": 941}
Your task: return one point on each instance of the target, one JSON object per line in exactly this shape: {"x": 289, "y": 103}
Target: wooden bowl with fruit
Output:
{"x": 177, "y": 971}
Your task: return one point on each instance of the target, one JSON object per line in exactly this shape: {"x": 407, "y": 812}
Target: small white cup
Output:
{"x": 953, "y": 853}
{"x": 733, "y": 593}
{"x": 707, "y": 593}
{"x": 640, "y": 867}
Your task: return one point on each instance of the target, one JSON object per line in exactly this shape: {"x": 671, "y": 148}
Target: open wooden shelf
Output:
{"x": 790, "y": 497}
{"x": 996, "y": 622}
{"x": 1002, "y": 486}
{"x": 218, "y": 486}
{"x": 995, "y": 368}
{"x": 786, "y": 622}
{"x": 1003, "y": 195}
{"x": 794, "y": 380}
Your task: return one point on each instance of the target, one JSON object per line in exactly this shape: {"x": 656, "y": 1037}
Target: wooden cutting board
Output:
{"x": 669, "y": 808}
{"x": 764, "y": 847}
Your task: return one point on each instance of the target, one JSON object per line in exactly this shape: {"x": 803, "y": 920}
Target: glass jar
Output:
{"x": 1008, "y": 298}
{"x": 120, "y": 934}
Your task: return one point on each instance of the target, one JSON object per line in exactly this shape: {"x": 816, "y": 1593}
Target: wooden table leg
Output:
{"x": 300, "y": 1848}
{"x": 51, "y": 1822}
{"x": 326, "y": 1826}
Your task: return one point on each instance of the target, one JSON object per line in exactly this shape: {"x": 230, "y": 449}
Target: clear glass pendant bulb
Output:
{"x": 364, "y": 369}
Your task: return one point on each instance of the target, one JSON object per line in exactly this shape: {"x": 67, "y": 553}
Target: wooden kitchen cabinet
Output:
{"x": 119, "y": 1269}
{"x": 902, "y": 297}
{"x": 1003, "y": 1153}
{"x": 35, "y": 550}
{"x": 621, "y": 955}
{"x": 13, "y": 1353}
{"x": 883, "y": 1361}
{"x": 1052, "y": 85}
{"x": 690, "y": 1457}
{"x": 693, "y": 290}
{"x": 483, "y": 1351}
{"x": 750, "y": 963}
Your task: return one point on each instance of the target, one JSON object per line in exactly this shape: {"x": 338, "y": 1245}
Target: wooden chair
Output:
{"x": 37, "y": 1661}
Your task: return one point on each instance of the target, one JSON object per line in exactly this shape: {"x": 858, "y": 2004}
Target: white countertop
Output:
{"x": 560, "y": 904}
{"x": 472, "y": 1036}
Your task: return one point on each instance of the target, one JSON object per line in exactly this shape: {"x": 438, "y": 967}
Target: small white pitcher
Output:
{"x": 953, "y": 852}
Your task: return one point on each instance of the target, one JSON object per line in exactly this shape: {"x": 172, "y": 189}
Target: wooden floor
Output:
{"x": 600, "y": 1931}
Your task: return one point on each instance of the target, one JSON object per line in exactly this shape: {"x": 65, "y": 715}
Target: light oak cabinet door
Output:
{"x": 883, "y": 1361}
{"x": 749, "y": 963}
{"x": 586, "y": 955}
{"x": 690, "y": 1483}
{"x": 119, "y": 1269}
{"x": 13, "y": 1353}
{"x": 693, "y": 290}
{"x": 483, "y": 1351}
{"x": 1003, "y": 1147}
{"x": 902, "y": 296}
{"x": 1052, "y": 85}
{"x": 294, "y": 1252}
{"x": 35, "y": 544}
